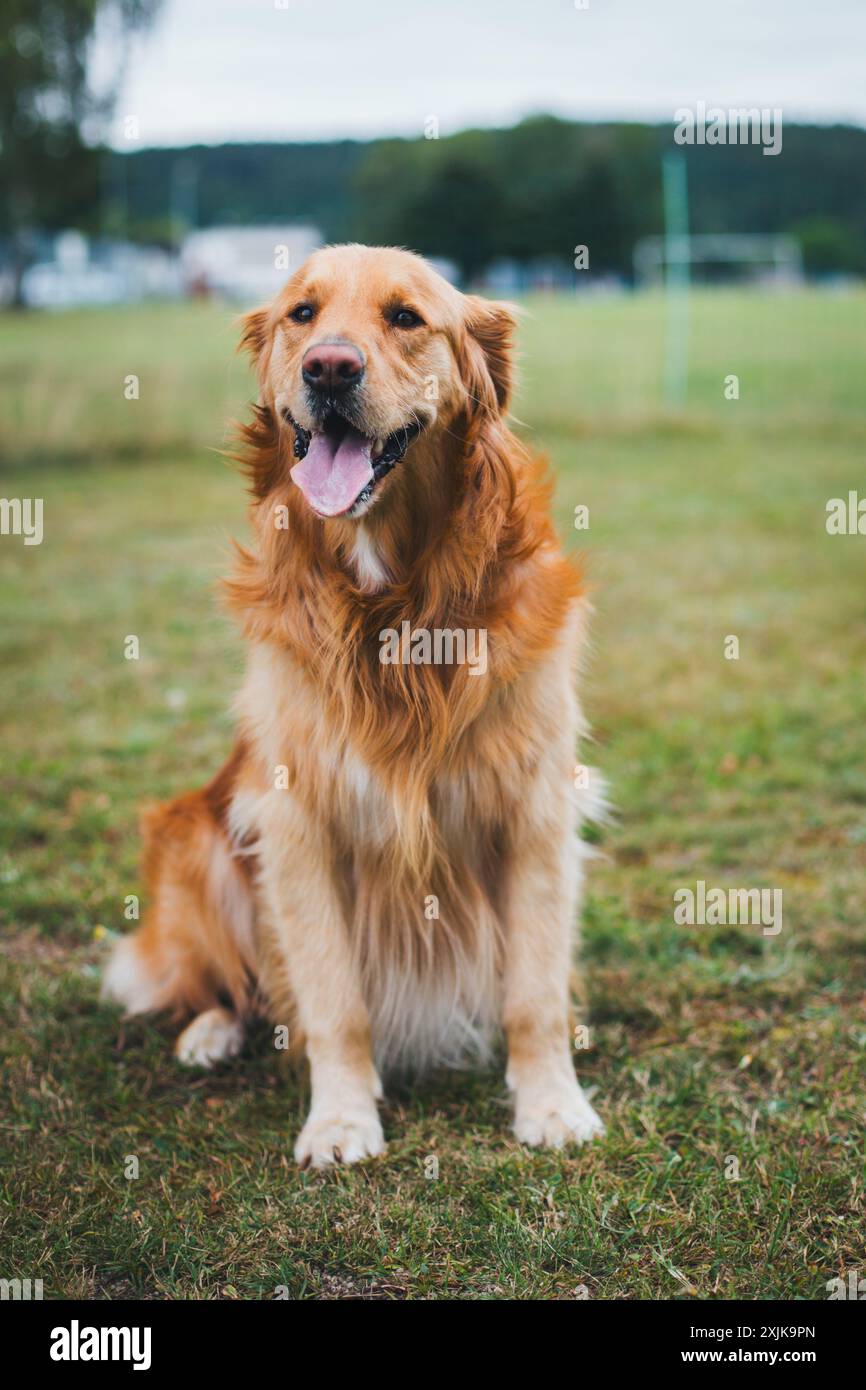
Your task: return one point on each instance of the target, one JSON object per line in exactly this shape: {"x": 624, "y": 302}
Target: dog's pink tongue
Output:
{"x": 332, "y": 474}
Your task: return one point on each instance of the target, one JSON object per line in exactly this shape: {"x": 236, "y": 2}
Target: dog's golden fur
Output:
{"x": 389, "y": 856}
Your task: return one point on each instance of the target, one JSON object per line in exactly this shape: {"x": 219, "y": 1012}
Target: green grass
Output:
{"x": 707, "y": 1042}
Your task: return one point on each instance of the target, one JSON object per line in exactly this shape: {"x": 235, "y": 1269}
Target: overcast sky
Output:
{"x": 214, "y": 70}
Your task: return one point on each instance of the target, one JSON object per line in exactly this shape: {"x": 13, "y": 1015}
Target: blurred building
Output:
{"x": 721, "y": 258}
{"x": 448, "y": 269}
{"x": 244, "y": 264}
{"x": 548, "y": 275}
{"x": 71, "y": 270}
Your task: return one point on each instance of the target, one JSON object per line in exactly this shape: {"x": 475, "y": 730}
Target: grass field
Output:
{"x": 709, "y": 1043}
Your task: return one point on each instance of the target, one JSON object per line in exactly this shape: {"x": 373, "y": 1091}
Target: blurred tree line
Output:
{"x": 534, "y": 191}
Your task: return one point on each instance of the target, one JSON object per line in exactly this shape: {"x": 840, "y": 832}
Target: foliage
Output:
{"x": 49, "y": 171}
{"x": 532, "y": 192}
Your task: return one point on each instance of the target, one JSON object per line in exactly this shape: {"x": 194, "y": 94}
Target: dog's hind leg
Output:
{"x": 214, "y": 1036}
{"x": 194, "y": 953}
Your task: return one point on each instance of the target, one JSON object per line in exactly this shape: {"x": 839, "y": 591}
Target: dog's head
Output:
{"x": 365, "y": 350}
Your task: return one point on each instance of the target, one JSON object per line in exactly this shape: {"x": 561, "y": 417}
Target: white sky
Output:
{"x": 215, "y": 70}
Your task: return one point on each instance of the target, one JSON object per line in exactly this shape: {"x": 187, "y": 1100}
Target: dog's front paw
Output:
{"x": 554, "y": 1116}
{"x": 346, "y": 1137}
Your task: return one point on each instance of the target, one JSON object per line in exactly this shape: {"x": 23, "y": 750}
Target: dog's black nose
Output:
{"x": 332, "y": 367}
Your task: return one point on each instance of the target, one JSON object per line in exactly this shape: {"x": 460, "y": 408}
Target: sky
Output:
{"x": 215, "y": 70}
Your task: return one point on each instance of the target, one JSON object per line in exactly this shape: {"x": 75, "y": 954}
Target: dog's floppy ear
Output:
{"x": 254, "y": 332}
{"x": 491, "y": 325}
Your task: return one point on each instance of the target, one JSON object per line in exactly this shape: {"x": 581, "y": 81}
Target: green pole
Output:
{"x": 184, "y": 197}
{"x": 677, "y": 264}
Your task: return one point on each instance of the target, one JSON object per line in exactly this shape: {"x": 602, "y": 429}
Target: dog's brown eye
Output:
{"x": 405, "y": 318}
{"x": 302, "y": 313}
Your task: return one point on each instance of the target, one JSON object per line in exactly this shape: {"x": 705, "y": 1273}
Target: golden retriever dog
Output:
{"x": 389, "y": 860}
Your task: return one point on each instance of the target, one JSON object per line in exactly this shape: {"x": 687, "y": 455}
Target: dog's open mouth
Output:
{"x": 339, "y": 468}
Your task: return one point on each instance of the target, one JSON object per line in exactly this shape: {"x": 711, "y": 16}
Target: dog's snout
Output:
{"x": 332, "y": 367}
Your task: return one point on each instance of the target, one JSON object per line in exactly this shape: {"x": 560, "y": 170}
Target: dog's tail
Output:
{"x": 195, "y": 948}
